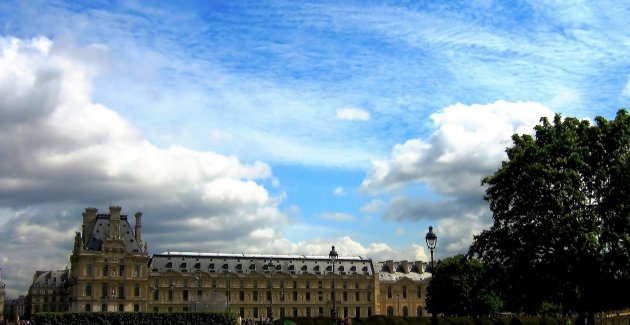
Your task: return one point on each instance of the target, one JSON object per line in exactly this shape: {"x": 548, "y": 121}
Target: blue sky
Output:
{"x": 282, "y": 127}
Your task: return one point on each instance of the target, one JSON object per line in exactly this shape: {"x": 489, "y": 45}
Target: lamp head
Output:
{"x": 333, "y": 254}
{"x": 431, "y": 238}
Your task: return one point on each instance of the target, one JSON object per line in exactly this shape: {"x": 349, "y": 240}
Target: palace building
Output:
{"x": 111, "y": 271}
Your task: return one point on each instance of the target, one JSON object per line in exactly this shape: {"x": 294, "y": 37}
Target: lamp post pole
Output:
{"x": 431, "y": 239}
{"x": 271, "y": 269}
{"x": 333, "y": 257}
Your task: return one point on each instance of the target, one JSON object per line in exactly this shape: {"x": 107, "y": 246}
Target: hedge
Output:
{"x": 144, "y": 318}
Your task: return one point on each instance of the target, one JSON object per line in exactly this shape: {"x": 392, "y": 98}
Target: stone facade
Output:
{"x": 112, "y": 271}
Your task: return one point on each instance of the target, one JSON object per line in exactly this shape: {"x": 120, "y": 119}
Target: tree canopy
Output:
{"x": 561, "y": 211}
{"x": 461, "y": 286}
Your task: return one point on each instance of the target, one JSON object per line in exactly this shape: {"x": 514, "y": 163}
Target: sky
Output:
{"x": 282, "y": 127}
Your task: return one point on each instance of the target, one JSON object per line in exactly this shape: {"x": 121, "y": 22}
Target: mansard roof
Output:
{"x": 250, "y": 263}
{"x": 393, "y": 271}
{"x": 51, "y": 279}
{"x": 100, "y": 232}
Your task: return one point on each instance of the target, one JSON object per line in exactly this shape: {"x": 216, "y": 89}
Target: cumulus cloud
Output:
{"x": 468, "y": 144}
{"x": 339, "y": 191}
{"x": 353, "y": 114}
{"x": 373, "y": 206}
{"x": 62, "y": 152}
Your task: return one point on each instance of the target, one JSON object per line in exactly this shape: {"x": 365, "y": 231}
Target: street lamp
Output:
{"x": 431, "y": 239}
{"x": 333, "y": 257}
{"x": 271, "y": 268}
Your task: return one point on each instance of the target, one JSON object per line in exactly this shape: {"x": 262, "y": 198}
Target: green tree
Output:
{"x": 561, "y": 211}
{"x": 461, "y": 287}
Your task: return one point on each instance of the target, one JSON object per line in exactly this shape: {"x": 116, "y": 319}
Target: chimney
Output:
{"x": 390, "y": 266}
{"x": 139, "y": 227}
{"x": 405, "y": 266}
{"x": 89, "y": 220}
{"x": 114, "y": 221}
{"x": 420, "y": 266}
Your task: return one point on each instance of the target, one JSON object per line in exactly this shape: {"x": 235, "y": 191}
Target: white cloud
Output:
{"x": 339, "y": 191}
{"x": 337, "y": 216}
{"x": 469, "y": 142}
{"x": 565, "y": 97}
{"x": 373, "y": 206}
{"x": 61, "y": 152}
{"x": 353, "y": 114}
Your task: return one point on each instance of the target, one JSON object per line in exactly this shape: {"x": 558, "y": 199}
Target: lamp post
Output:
{"x": 271, "y": 268}
{"x": 228, "y": 286}
{"x": 333, "y": 257}
{"x": 431, "y": 239}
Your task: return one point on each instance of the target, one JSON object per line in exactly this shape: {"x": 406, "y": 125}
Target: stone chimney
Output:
{"x": 390, "y": 266}
{"x": 89, "y": 220}
{"x": 420, "y": 266}
{"x": 114, "y": 222}
{"x": 406, "y": 266}
{"x": 139, "y": 228}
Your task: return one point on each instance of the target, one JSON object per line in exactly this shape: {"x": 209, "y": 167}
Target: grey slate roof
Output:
{"x": 390, "y": 271}
{"x": 250, "y": 263}
{"x": 101, "y": 230}
{"x": 51, "y": 279}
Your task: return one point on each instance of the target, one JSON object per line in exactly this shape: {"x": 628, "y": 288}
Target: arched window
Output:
{"x": 390, "y": 311}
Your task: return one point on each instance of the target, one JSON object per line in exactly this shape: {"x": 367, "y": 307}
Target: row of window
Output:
{"x": 89, "y": 270}
{"x": 105, "y": 293}
{"x": 266, "y": 267}
{"x": 227, "y": 283}
{"x": 390, "y": 293}
{"x": 255, "y": 296}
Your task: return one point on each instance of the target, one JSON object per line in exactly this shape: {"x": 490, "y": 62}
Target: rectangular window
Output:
{"x": 357, "y": 312}
{"x": 136, "y": 290}
{"x": 319, "y": 284}
{"x": 282, "y": 284}
{"x": 419, "y": 292}
{"x": 308, "y": 311}
{"x": 170, "y": 295}
{"x": 199, "y": 294}
{"x": 104, "y": 307}
{"x": 321, "y": 311}
{"x": 295, "y": 284}
{"x": 369, "y": 312}
{"x": 88, "y": 290}
{"x": 121, "y": 307}
{"x": 268, "y": 295}
{"x": 308, "y": 285}
{"x": 295, "y": 312}
{"x": 241, "y": 295}
{"x": 320, "y": 296}
{"x": 121, "y": 270}
{"x": 356, "y": 285}
{"x": 88, "y": 307}
{"x": 242, "y": 284}
{"x": 389, "y": 291}
{"x": 404, "y": 290}
{"x": 357, "y": 296}
{"x": 295, "y": 295}
{"x": 255, "y": 312}
{"x": 345, "y": 296}
{"x": 106, "y": 270}
{"x": 255, "y": 296}
{"x": 104, "y": 290}
{"x": 138, "y": 270}
{"x": 241, "y": 312}
{"x": 345, "y": 284}
{"x": 156, "y": 295}
{"x": 136, "y": 308}
{"x": 121, "y": 291}
{"x": 185, "y": 283}
{"x": 185, "y": 295}
{"x": 89, "y": 271}
{"x": 308, "y": 296}
{"x": 255, "y": 283}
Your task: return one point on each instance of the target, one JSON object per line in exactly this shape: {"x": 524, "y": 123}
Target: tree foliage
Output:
{"x": 461, "y": 287}
{"x": 561, "y": 210}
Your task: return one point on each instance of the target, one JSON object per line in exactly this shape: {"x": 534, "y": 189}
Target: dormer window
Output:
{"x": 182, "y": 266}
{"x": 169, "y": 265}
{"x": 211, "y": 266}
